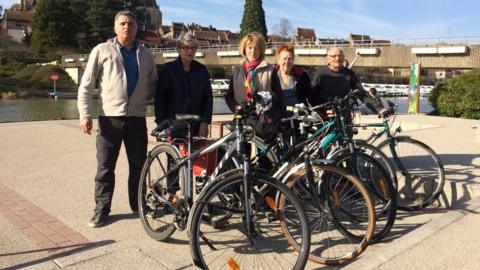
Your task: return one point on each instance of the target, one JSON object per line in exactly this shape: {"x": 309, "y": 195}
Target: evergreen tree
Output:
{"x": 253, "y": 18}
{"x": 100, "y": 20}
{"x": 78, "y": 23}
{"x": 79, "y": 10}
{"x": 138, "y": 9}
{"x": 51, "y": 25}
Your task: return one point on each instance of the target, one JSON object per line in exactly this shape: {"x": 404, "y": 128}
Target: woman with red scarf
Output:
{"x": 253, "y": 74}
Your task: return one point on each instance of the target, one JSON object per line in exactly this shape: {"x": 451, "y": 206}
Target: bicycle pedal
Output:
{"x": 221, "y": 224}
{"x": 271, "y": 216}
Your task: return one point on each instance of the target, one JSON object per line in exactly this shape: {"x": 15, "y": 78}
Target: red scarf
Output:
{"x": 250, "y": 67}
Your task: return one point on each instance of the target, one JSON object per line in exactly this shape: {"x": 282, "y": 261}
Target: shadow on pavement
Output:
{"x": 58, "y": 252}
{"x": 461, "y": 179}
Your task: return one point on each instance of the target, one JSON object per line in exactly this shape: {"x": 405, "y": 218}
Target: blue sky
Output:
{"x": 381, "y": 19}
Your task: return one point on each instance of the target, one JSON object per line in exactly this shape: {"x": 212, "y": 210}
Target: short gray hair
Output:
{"x": 187, "y": 39}
{"x": 126, "y": 13}
{"x": 338, "y": 48}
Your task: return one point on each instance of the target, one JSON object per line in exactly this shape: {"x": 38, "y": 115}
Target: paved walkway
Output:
{"x": 46, "y": 199}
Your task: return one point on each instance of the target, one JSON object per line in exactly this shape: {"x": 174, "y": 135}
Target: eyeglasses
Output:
{"x": 336, "y": 55}
{"x": 188, "y": 48}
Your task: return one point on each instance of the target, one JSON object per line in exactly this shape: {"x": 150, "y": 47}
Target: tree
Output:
{"x": 283, "y": 28}
{"x": 100, "y": 20}
{"x": 51, "y": 25}
{"x": 139, "y": 10}
{"x": 253, "y": 18}
{"x": 79, "y": 8}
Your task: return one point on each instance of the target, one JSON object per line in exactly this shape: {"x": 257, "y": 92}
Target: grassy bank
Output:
{"x": 33, "y": 81}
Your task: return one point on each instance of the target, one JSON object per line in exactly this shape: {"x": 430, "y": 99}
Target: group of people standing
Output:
{"x": 125, "y": 75}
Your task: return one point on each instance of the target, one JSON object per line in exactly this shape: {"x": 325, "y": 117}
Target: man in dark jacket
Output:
{"x": 336, "y": 80}
{"x": 184, "y": 87}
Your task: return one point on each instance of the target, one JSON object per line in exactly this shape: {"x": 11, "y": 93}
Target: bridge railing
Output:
{"x": 319, "y": 44}
{"x": 425, "y": 41}
{"x": 438, "y": 41}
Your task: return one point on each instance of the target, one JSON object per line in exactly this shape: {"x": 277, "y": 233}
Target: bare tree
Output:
{"x": 283, "y": 28}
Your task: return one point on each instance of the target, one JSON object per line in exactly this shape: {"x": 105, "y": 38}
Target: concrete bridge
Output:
{"x": 397, "y": 56}
{"x": 436, "y": 56}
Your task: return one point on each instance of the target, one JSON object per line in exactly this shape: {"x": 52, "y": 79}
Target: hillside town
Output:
{"x": 16, "y": 22}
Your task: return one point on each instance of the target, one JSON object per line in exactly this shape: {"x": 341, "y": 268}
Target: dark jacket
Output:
{"x": 177, "y": 93}
{"x": 328, "y": 84}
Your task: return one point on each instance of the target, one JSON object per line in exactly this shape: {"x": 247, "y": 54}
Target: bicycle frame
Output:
{"x": 238, "y": 142}
{"x": 187, "y": 160}
{"x": 385, "y": 125}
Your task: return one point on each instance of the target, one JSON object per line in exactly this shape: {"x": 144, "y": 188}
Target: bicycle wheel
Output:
{"x": 379, "y": 186}
{"x": 343, "y": 221}
{"x": 419, "y": 170}
{"x": 379, "y": 155}
{"x": 158, "y": 219}
{"x": 215, "y": 247}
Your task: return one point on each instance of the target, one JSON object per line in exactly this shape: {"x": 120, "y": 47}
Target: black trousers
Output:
{"x": 111, "y": 132}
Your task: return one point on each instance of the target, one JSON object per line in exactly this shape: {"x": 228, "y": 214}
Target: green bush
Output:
{"x": 458, "y": 96}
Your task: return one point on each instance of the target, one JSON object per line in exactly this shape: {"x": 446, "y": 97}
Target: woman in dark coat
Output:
{"x": 184, "y": 87}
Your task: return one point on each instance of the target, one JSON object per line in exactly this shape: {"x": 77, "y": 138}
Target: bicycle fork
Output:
{"x": 247, "y": 176}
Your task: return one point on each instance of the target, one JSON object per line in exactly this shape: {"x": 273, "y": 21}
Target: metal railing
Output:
{"x": 424, "y": 41}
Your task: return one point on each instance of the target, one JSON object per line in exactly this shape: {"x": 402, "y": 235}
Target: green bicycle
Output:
{"x": 418, "y": 170}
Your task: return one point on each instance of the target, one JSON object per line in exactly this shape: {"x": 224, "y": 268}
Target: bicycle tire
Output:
{"x": 373, "y": 151}
{"x": 156, "y": 217}
{"x": 342, "y": 230}
{"x": 378, "y": 154}
{"x": 380, "y": 187}
{"x": 269, "y": 248}
{"x": 421, "y": 162}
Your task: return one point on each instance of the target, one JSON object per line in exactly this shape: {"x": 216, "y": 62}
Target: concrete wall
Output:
{"x": 388, "y": 56}
{"x": 75, "y": 73}
{"x": 397, "y": 57}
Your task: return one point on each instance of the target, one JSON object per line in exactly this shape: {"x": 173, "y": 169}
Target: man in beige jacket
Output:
{"x": 124, "y": 73}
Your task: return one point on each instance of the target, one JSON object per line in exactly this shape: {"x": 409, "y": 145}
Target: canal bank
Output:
{"x": 18, "y": 110}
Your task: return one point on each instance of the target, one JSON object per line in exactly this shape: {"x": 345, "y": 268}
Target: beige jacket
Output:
{"x": 262, "y": 80}
{"x": 106, "y": 72}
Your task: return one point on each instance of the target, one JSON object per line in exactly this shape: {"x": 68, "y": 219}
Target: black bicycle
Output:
{"x": 234, "y": 220}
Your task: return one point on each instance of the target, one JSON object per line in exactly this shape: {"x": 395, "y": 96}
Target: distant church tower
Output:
{"x": 153, "y": 15}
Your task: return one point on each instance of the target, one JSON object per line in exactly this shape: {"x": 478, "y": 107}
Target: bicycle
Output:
{"x": 229, "y": 201}
{"x": 418, "y": 169}
{"x": 340, "y": 210}
{"x": 326, "y": 139}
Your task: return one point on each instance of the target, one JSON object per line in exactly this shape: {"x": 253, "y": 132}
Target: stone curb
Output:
{"x": 400, "y": 245}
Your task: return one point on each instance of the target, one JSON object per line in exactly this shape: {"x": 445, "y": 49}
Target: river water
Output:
{"x": 51, "y": 109}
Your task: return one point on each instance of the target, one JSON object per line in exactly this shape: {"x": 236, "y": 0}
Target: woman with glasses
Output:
{"x": 184, "y": 87}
